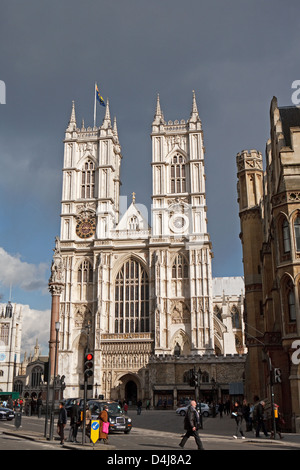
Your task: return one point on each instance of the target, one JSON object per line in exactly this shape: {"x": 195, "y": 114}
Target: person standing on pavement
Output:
{"x": 88, "y": 421}
{"x": 246, "y": 414}
{"x": 61, "y": 422}
{"x": 191, "y": 425}
{"x": 278, "y": 421}
{"x": 260, "y": 417}
{"x": 103, "y": 417}
{"x": 75, "y": 421}
{"x": 237, "y": 413}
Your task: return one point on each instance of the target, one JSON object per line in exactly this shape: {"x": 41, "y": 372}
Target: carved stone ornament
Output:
{"x": 180, "y": 313}
{"x": 57, "y": 268}
{"x": 82, "y": 315}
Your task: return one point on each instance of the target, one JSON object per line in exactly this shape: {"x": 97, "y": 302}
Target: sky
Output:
{"x": 235, "y": 54}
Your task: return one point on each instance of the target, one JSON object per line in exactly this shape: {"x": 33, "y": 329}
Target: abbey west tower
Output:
{"x": 129, "y": 292}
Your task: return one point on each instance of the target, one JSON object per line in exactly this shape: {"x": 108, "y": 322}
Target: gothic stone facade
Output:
{"x": 10, "y": 344}
{"x": 139, "y": 297}
{"x": 270, "y": 234}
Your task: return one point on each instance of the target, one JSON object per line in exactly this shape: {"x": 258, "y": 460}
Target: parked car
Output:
{"x": 70, "y": 402}
{"x": 118, "y": 421}
{"x": 6, "y": 413}
{"x": 205, "y": 410}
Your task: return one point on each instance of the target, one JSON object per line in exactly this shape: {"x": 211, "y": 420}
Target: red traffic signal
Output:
{"x": 88, "y": 365}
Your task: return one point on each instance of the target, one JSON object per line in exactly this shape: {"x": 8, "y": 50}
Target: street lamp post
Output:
{"x": 88, "y": 327}
{"x": 57, "y": 328}
{"x": 199, "y": 385}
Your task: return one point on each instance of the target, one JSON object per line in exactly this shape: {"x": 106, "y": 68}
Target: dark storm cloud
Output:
{"x": 235, "y": 54}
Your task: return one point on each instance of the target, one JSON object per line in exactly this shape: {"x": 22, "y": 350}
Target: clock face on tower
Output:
{"x": 86, "y": 228}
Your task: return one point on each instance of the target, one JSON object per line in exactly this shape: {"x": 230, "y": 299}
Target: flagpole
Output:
{"x": 95, "y": 105}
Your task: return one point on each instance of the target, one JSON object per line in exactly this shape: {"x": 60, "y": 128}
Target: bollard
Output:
{"x": 18, "y": 419}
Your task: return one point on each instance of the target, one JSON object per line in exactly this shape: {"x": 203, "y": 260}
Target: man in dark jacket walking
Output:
{"x": 75, "y": 421}
{"x": 191, "y": 425}
{"x": 260, "y": 416}
{"x": 61, "y": 422}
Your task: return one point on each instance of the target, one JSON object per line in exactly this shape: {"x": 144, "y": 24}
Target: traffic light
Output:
{"x": 88, "y": 365}
{"x": 196, "y": 379}
{"x": 193, "y": 378}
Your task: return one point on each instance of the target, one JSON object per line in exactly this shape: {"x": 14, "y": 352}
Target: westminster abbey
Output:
{"x": 140, "y": 297}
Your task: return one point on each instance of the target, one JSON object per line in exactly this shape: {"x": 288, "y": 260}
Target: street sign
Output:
{"x": 277, "y": 375}
{"x": 95, "y": 427}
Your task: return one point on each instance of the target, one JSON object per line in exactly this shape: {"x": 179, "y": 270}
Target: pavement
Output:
{"x": 224, "y": 428}
{"x": 213, "y": 429}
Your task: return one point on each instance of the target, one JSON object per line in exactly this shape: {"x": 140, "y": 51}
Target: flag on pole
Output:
{"x": 99, "y": 97}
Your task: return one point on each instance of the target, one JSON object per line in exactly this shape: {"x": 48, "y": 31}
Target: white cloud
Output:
{"x": 35, "y": 327}
{"x": 27, "y": 276}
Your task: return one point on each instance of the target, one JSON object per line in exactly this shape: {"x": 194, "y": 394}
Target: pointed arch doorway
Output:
{"x": 131, "y": 392}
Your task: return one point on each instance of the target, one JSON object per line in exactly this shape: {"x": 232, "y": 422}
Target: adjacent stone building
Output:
{"x": 270, "y": 233}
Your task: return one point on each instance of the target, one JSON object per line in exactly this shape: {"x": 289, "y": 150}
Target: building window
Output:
{"x": 36, "y": 376}
{"x": 205, "y": 377}
{"x": 180, "y": 269}
{"x": 235, "y": 318}
{"x": 85, "y": 273}
{"x": 133, "y": 223}
{"x": 88, "y": 180}
{"x": 286, "y": 237}
{"x": 297, "y": 233}
{"x": 132, "y": 299}
{"x": 291, "y": 301}
{"x": 85, "y": 281}
{"x": 4, "y": 333}
{"x": 178, "y": 175}
{"x": 18, "y": 386}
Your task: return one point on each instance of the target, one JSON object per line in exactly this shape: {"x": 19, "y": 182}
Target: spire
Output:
{"x": 72, "y": 122}
{"x": 36, "y": 351}
{"x": 115, "y": 129}
{"x": 158, "y": 117}
{"x": 194, "y": 117}
{"x": 158, "y": 109}
{"x": 106, "y": 121}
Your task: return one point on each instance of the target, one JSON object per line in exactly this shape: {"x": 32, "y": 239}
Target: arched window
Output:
{"x": 297, "y": 232}
{"x": 4, "y": 333}
{"x": 286, "y": 237}
{"x": 205, "y": 377}
{"x": 178, "y": 176}
{"x": 88, "y": 180}
{"x": 85, "y": 273}
{"x": 235, "y": 317}
{"x": 133, "y": 223}
{"x": 291, "y": 301}
{"x": 180, "y": 269}
{"x": 36, "y": 376}
{"x": 217, "y": 312}
{"x": 85, "y": 281}
{"x": 132, "y": 299}
{"x": 18, "y": 386}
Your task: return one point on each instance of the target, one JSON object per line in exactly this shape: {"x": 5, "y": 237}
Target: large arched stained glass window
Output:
{"x": 132, "y": 299}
